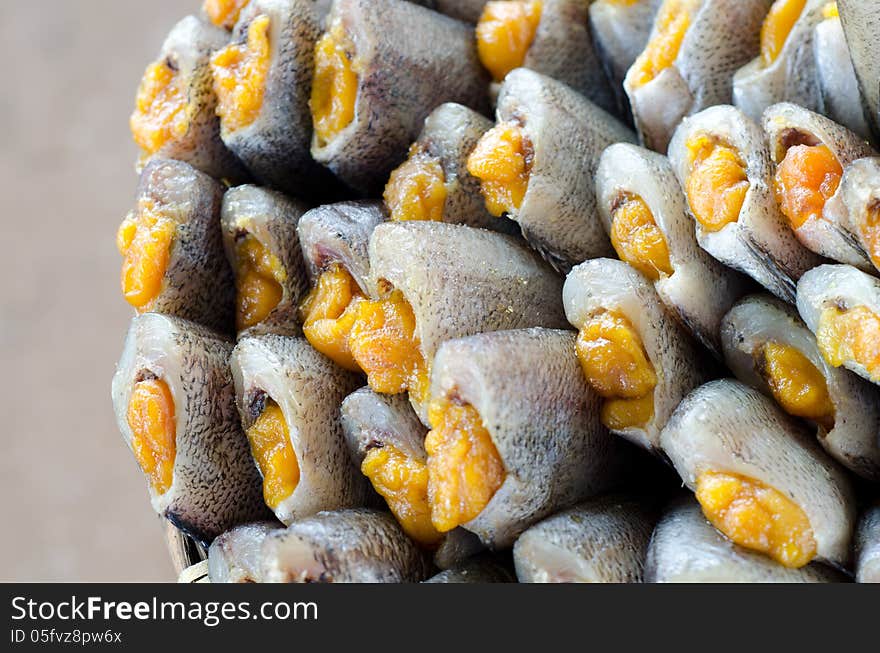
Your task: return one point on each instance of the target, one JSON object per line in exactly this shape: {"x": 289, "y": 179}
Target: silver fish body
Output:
{"x": 215, "y": 484}
{"x": 685, "y": 548}
{"x": 842, "y": 287}
{"x": 861, "y": 24}
{"x": 724, "y": 426}
{"x": 467, "y": 10}
{"x": 340, "y": 234}
{"x": 308, "y": 388}
{"x": 542, "y": 417}
{"x": 234, "y": 556}
{"x": 856, "y": 206}
{"x": 611, "y": 285}
{"x": 187, "y": 51}
{"x": 479, "y": 569}
{"x": 758, "y": 320}
{"x": 836, "y": 77}
{"x": 791, "y": 77}
{"x": 759, "y": 243}
{"x": 461, "y": 281}
{"x": 568, "y": 135}
{"x": 271, "y": 218}
{"x": 430, "y": 59}
{"x": 868, "y": 547}
{"x": 700, "y": 290}
{"x": 347, "y": 546}
{"x": 723, "y": 35}
{"x": 620, "y": 33}
{"x": 787, "y": 125}
{"x": 601, "y": 541}
{"x": 276, "y": 145}
{"x": 198, "y": 283}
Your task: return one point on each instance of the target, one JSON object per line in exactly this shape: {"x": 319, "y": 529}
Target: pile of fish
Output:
{"x": 535, "y": 290}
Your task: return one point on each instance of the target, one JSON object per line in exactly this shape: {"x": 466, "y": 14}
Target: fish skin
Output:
{"x": 868, "y": 546}
{"x": 190, "y": 45}
{"x": 700, "y": 290}
{"x": 723, "y": 36}
{"x": 563, "y": 49}
{"x": 760, "y": 244}
{"x": 543, "y": 418}
{"x": 727, "y": 426}
{"x": 568, "y": 134}
{"x": 234, "y": 556}
{"x": 601, "y": 541}
{"x": 858, "y": 195}
{"x": 372, "y": 420}
{"x": 861, "y": 24}
{"x": 276, "y": 147}
{"x": 340, "y": 233}
{"x": 198, "y": 283}
{"x": 272, "y": 218}
{"x": 620, "y": 33}
{"x": 678, "y": 362}
{"x": 397, "y": 86}
{"x": 790, "y": 78}
{"x": 685, "y": 548}
{"x": 466, "y": 10}
{"x": 830, "y": 285}
{"x": 450, "y": 134}
{"x": 759, "y": 319}
{"x": 346, "y": 546}
{"x": 309, "y": 389}
{"x": 215, "y": 485}
{"x": 828, "y": 236}
{"x": 461, "y": 281}
{"x": 836, "y": 77}
{"x": 479, "y": 569}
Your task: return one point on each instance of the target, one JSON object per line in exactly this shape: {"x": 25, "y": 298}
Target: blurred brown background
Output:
{"x": 75, "y": 507}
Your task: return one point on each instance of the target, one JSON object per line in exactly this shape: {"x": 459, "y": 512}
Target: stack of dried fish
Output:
{"x": 465, "y": 291}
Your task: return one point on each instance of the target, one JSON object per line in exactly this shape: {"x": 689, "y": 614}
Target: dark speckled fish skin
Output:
{"x": 859, "y": 195}
{"x": 198, "y": 283}
{"x": 372, "y": 420}
{"x": 461, "y": 281}
{"x": 466, "y": 10}
{"x": 431, "y": 59}
{"x": 760, "y": 243}
{"x": 234, "y": 556}
{"x": 348, "y": 546}
{"x": 543, "y": 418}
{"x": 450, "y": 134}
{"x": 723, "y": 36}
{"x": 276, "y": 147}
{"x": 216, "y": 485}
{"x": 756, "y": 320}
{"x": 272, "y": 218}
{"x": 601, "y": 541}
{"x": 189, "y": 46}
{"x": 685, "y": 548}
{"x": 868, "y": 546}
{"x": 309, "y": 388}
{"x": 563, "y": 49}
{"x": 558, "y": 215}
{"x": 479, "y": 569}
{"x": 826, "y": 236}
{"x": 861, "y": 23}
{"x": 726, "y": 426}
{"x": 679, "y": 363}
{"x": 340, "y": 233}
